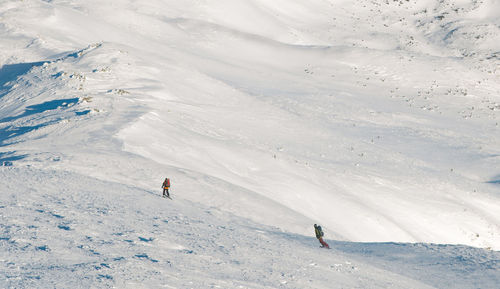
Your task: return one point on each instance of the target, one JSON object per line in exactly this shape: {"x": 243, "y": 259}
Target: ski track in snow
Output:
{"x": 377, "y": 120}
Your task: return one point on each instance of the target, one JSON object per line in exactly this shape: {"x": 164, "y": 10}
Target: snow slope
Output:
{"x": 65, "y": 230}
{"x": 377, "y": 120}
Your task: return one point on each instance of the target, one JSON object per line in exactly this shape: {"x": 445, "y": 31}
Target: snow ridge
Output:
{"x": 378, "y": 120}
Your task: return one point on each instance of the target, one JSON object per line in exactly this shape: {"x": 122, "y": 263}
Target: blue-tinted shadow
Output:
{"x": 7, "y": 158}
{"x": 42, "y": 107}
{"x": 11, "y": 72}
{"x": 437, "y": 265}
{"x": 84, "y": 112}
{"x": 495, "y": 180}
{"x": 9, "y": 132}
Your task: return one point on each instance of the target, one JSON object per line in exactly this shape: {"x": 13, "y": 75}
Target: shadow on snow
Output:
{"x": 438, "y": 265}
{"x": 7, "y": 158}
{"x": 42, "y": 107}
{"x": 11, "y": 72}
{"x": 11, "y": 131}
{"x": 495, "y": 181}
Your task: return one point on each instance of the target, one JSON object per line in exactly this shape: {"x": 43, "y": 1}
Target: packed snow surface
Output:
{"x": 378, "y": 120}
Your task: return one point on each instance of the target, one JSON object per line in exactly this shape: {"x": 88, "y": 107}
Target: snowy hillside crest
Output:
{"x": 376, "y": 120}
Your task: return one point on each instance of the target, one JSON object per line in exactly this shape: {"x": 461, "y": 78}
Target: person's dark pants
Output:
{"x": 165, "y": 192}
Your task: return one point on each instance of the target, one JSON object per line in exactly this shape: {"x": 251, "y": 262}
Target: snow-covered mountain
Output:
{"x": 378, "y": 120}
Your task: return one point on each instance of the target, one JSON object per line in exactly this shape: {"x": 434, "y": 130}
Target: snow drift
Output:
{"x": 377, "y": 120}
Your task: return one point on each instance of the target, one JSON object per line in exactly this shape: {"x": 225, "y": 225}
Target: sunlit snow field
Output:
{"x": 378, "y": 120}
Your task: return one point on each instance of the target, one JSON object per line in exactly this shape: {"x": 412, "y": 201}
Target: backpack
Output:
{"x": 321, "y": 234}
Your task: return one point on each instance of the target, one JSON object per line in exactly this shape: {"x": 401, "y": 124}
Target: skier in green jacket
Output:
{"x": 319, "y": 236}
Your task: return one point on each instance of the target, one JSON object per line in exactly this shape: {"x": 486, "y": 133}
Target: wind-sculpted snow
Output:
{"x": 62, "y": 230}
{"x": 378, "y": 120}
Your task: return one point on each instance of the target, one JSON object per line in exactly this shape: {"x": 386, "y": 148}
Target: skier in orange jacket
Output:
{"x": 166, "y": 186}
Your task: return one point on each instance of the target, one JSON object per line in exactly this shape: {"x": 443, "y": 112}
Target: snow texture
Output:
{"x": 377, "y": 120}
